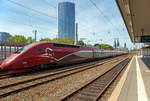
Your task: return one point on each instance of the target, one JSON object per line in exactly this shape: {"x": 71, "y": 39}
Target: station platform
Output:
{"x": 134, "y": 85}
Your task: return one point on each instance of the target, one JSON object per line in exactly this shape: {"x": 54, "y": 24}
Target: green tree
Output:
{"x": 46, "y": 39}
{"x": 107, "y": 47}
{"x": 63, "y": 40}
{"x": 104, "y": 46}
{"x": 17, "y": 38}
{"x": 97, "y": 45}
{"x": 89, "y": 45}
{"x": 30, "y": 40}
{"x": 66, "y": 40}
{"x": 80, "y": 42}
{"x": 60, "y": 40}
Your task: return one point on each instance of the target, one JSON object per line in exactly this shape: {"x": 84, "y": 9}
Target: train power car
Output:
{"x": 43, "y": 53}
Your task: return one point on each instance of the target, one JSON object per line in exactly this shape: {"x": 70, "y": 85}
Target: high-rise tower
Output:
{"x": 66, "y": 20}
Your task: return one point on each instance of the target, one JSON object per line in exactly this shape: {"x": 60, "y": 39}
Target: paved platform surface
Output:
{"x": 137, "y": 83}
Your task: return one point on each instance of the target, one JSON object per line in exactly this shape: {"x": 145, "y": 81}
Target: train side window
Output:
{"x": 39, "y": 49}
{"x": 65, "y": 45}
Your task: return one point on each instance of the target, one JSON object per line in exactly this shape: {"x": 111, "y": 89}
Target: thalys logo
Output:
{"x": 49, "y": 53}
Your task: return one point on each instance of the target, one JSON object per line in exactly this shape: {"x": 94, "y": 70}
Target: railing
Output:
{"x": 7, "y": 48}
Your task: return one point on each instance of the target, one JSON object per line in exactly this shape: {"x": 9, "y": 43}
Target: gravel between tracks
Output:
{"x": 54, "y": 90}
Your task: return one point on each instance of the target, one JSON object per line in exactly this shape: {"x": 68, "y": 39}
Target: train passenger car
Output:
{"x": 42, "y": 53}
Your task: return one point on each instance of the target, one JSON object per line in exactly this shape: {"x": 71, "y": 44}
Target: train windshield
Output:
{"x": 23, "y": 48}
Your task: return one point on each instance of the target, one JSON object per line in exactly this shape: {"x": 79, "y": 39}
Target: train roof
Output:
{"x": 61, "y": 45}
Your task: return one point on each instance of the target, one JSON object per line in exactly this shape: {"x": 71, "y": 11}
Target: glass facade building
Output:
{"x": 66, "y": 20}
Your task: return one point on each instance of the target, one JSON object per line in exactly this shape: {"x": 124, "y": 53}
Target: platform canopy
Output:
{"x": 136, "y": 15}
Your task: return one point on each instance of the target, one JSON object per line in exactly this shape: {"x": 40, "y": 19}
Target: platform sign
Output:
{"x": 145, "y": 38}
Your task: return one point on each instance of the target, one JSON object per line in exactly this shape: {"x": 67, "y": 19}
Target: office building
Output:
{"x": 66, "y": 20}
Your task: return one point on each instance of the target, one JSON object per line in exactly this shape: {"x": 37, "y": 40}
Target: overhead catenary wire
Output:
{"x": 121, "y": 24}
{"x": 31, "y": 9}
{"x": 87, "y": 29}
{"x": 106, "y": 18}
{"x": 29, "y": 16}
{"x": 24, "y": 24}
{"x": 36, "y": 11}
{"x": 11, "y": 19}
{"x": 29, "y": 25}
{"x": 49, "y": 4}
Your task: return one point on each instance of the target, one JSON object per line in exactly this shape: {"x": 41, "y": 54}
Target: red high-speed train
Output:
{"x": 43, "y": 53}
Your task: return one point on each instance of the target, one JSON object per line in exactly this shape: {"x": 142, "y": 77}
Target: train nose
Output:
{"x": 6, "y": 63}
{"x": 3, "y": 65}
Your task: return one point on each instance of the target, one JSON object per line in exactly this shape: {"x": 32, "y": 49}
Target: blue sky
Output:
{"x": 94, "y": 25}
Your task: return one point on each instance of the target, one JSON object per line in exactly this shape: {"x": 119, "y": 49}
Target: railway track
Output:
{"x": 92, "y": 90}
{"x": 4, "y": 76}
{"x": 13, "y": 88}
